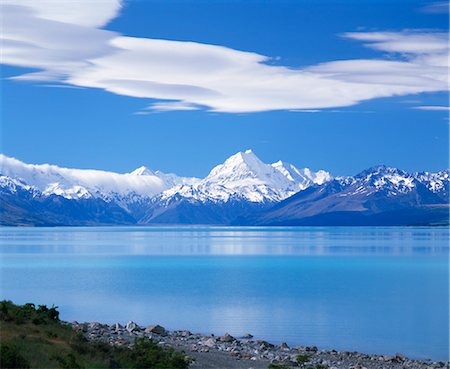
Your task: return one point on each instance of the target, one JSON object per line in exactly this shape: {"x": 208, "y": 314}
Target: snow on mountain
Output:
{"x": 244, "y": 176}
{"x": 381, "y": 178}
{"x": 142, "y": 171}
{"x": 13, "y": 185}
{"x": 302, "y": 177}
{"x": 86, "y": 183}
{"x": 395, "y": 181}
{"x": 377, "y": 196}
{"x": 435, "y": 182}
{"x": 170, "y": 180}
{"x": 242, "y": 190}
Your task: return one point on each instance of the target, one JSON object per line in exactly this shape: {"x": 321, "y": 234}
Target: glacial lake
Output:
{"x": 375, "y": 290}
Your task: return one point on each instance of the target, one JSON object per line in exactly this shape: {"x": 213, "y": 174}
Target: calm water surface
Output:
{"x": 378, "y": 290}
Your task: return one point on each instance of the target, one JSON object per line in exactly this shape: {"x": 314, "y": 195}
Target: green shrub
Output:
{"x": 51, "y": 334}
{"x": 34, "y": 329}
{"x": 10, "y": 357}
{"x": 69, "y": 362}
{"x": 28, "y": 313}
{"x": 147, "y": 354}
{"x": 278, "y": 366}
{"x": 302, "y": 359}
{"x": 79, "y": 344}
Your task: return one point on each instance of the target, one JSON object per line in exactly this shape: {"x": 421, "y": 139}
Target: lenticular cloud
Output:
{"x": 69, "y": 46}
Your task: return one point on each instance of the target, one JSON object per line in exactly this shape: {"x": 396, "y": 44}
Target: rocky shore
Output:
{"x": 209, "y": 351}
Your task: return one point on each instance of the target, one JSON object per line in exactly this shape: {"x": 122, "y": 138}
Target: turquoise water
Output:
{"x": 377, "y": 290}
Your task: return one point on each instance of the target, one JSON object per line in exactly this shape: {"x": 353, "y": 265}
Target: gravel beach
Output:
{"x": 223, "y": 352}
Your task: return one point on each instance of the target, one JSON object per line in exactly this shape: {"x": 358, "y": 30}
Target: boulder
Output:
{"x": 398, "y": 358}
{"x": 227, "y": 338}
{"x": 264, "y": 345}
{"x": 157, "y": 329}
{"x": 284, "y": 346}
{"x": 131, "y": 326}
{"x": 314, "y": 349}
{"x": 210, "y": 342}
{"x": 94, "y": 325}
{"x": 116, "y": 327}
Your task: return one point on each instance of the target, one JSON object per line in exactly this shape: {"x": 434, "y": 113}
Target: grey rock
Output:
{"x": 247, "y": 349}
{"x": 210, "y": 342}
{"x": 315, "y": 349}
{"x": 131, "y": 326}
{"x": 264, "y": 345}
{"x": 94, "y": 325}
{"x": 227, "y": 338}
{"x": 157, "y": 329}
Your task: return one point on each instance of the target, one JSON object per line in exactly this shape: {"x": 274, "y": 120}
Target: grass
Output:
{"x": 35, "y": 338}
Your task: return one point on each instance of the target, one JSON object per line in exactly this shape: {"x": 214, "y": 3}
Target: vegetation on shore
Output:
{"x": 300, "y": 363}
{"x": 34, "y": 337}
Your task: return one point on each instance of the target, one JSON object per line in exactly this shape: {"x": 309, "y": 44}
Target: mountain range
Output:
{"x": 241, "y": 191}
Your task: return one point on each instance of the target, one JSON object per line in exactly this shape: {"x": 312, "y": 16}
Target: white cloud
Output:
{"x": 432, "y": 107}
{"x": 415, "y": 42}
{"x": 69, "y": 48}
{"x": 88, "y": 13}
{"x": 173, "y": 105}
{"x": 437, "y": 7}
{"x": 306, "y": 110}
{"x": 60, "y": 49}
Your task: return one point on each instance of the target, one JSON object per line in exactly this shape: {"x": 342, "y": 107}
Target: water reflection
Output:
{"x": 226, "y": 241}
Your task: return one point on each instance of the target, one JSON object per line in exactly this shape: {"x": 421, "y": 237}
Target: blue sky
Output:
{"x": 270, "y": 83}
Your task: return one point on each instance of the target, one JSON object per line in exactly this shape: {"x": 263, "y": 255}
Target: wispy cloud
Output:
{"x": 173, "y": 105}
{"x": 191, "y": 75}
{"x": 409, "y": 41}
{"x": 62, "y": 86}
{"x": 437, "y": 7}
{"x": 306, "y": 110}
{"x": 432, "y": 107}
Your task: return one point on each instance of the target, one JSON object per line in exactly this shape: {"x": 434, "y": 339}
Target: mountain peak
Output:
{"x": 142, "y": 171}
{"x": 303, "y": 177}
{"x": 279, "y": 164}
{"x": 381, "y": 170}
{"x": 238, "y": 166}
{"x": 243, "y": 156}
{"x": 245, "y": 174}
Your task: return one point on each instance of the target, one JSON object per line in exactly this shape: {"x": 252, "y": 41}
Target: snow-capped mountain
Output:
{"x": 169, "y": 179}
{"x": 302, "y": 177}
{"x": 377, "y": 196}
{"x": 242, "y": 190}
{"x": 86, "y": 183}
{"x": 241, "y": 185}
{"x": 245, "y": 177}
{"x": 435, "y": 182}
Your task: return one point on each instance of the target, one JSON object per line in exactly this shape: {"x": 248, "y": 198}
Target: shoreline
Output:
{"x": 222, "y": 352}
